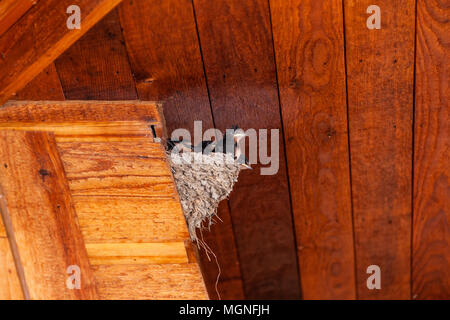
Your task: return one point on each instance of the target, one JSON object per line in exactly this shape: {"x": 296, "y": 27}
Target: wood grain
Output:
{"x": 11, "y": 11}
{"x": 431, "y": 224}
{"x": 137, "y": 253}
{"x": 86, "y": 131}
{"x": 150, "y": 282}
{"x": 10, "y": 288}
{"x": 309, "y": 46}
{"x": 42, "y": 216}
{"x": 40, "y": 36}
{"x": 46, "y": 86}
{"x": 96, "y": 67}
{"x": 101, "y": 171}
{"x": 380, "y": 67}
{"x": 129, "y": 219}
{"x": 237, "y": 49}
{"x": 166, "y": 61}
{"x": 2, "y": 230}
{"x": 77, "y": 111}
{"x": 220, "y": 238}
{"x": 165, "y": 58}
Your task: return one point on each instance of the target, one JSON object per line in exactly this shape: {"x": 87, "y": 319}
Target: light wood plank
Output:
{"x": 11, "y": 11}
{"x": 130, "y": 219}
{"x": 137, "y": 253}
{"x": 42, "y": 216}
{"x": 2, "y": 229}
{"x": 39, "y": 37}
{"x": 431, "y": 224}
{"x": 86, "y": 131}
{"x": 76, "y": 111}
{"x": 105, "y": 170}
{"x": 45, "y": 86}
{"x": 150, "y": 282}
{"x": 309, "y": 47}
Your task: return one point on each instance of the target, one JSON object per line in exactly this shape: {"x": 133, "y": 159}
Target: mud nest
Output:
{"x": 202, "y": 182}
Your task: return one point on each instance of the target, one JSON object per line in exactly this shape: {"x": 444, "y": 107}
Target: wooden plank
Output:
{"x": 380, "y": 66}
{"x": 96, "y": 66}
{"x": 11, "y": 11}
{"x": 227, "y": 273}
{"x": 2, "y": 230}
{"x": 39, "y": 37}
{"x": 239, "y": 61}
{"x": 166, "y": 61}
{"x": 86, "y": 131}
{"x": 309, "y": 46}
{"x": 431, "y": 225}
{"x": 150, "y": 282}
{"x": 102, "y": 171}
{"x": 42, "y": 216}
{"x": 76, "y": 111}
{"x": 10, "y": 288}
{"x": 129, "y": 219}
{"x": 46, "y": 86}
{"x": 137, "y": 253}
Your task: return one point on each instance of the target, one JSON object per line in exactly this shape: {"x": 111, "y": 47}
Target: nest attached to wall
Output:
{"x": 203, "y": 180}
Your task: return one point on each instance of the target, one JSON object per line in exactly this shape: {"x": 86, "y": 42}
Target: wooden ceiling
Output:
{"x": 363, "y": 113}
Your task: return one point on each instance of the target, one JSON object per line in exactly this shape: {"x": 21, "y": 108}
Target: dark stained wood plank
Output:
{"x": 46, "y": 86}
{"x": 96, "y": 67}
{"x": 380, "y": 67}
{"x": 431, "y": 231}
{"x": 164, "y": 53}
{"x": 238, "y": 55}
{"x": 39, "y": 37}
{"x": 309, "y": 46}
{"x": 11, "y": 11}
{"x": 42, "y": 216}
{"x": 166, "y": 61}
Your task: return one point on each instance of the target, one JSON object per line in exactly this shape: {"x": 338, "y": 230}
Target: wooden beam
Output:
{"x": 42, "y": 216}
{"x": 380, "y": 64}
{"x": 11, "y": 11}
{"x": 431, "y": 224}
{"x": 150, "y": 282}
{"x": 39, "y": 37}
{"x": 309, "y": 46}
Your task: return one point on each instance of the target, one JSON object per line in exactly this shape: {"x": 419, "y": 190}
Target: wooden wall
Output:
{"x": 364, "y": 171}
